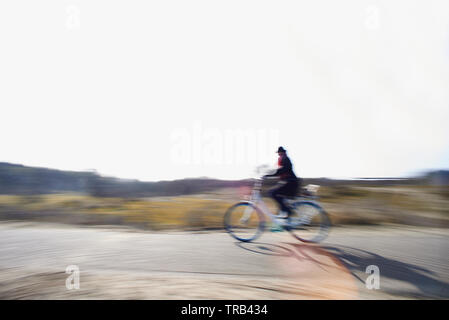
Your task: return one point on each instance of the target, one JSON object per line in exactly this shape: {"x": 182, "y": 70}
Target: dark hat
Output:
{"x": 280, "y": 149}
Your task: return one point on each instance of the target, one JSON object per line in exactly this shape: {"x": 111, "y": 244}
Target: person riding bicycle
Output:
{"x": 288, "y": 184}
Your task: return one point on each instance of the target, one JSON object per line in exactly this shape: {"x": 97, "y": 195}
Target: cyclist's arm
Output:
{"x": 284, "y": 168}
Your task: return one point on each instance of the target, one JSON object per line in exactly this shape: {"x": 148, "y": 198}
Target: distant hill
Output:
{"x": 19, "y": 179}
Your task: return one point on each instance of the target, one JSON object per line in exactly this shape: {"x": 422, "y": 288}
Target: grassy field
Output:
{"x": 376, "y": 205}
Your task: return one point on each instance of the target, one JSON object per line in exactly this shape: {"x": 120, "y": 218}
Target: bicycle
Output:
{"x": 309, "y": 222}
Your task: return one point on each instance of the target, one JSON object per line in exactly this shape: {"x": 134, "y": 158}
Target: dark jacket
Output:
{"x": 285, "y": 171}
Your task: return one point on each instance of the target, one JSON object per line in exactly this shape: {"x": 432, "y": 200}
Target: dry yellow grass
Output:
{"x": 415, "y": 205}
{"x": 176, "y": 212}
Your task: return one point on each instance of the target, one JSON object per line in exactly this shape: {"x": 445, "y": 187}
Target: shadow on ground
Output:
{"x": 418, "y": 282}
{"x": 425, "y": 281}
{"x": 301, "y": 252}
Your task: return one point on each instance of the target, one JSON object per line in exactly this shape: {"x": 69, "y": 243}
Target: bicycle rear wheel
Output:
{"x": 244, "y": 222}
{"x": 309, "y": 222}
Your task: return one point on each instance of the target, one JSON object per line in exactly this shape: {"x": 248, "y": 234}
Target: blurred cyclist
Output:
{"x": 288, "y": 184}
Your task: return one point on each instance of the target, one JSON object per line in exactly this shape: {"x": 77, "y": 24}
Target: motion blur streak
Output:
{"x": 165, "y": 240}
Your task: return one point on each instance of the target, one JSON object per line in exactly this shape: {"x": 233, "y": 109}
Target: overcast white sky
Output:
{"x": 151, "y": 89}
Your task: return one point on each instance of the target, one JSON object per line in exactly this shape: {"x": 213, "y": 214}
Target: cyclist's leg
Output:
{"x": 278, "y": 194}
{"x": 291, "y": 190}
{"x": 292, "y": 187}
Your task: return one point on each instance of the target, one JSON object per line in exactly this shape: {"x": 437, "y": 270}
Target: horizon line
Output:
{"x": 95, "y": 171}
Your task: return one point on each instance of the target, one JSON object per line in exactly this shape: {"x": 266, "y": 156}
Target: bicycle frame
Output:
{"x": 299, "y": 223}
{"x": 257, "y": 201}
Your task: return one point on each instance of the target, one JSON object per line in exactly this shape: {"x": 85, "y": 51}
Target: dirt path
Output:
{"x": 126, "y": 264}
{"x": 140, "y": 265}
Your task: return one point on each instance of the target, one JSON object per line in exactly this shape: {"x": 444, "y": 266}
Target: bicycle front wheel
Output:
{"x": 309, "y": 222}
{"x": 244, "y": 221}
